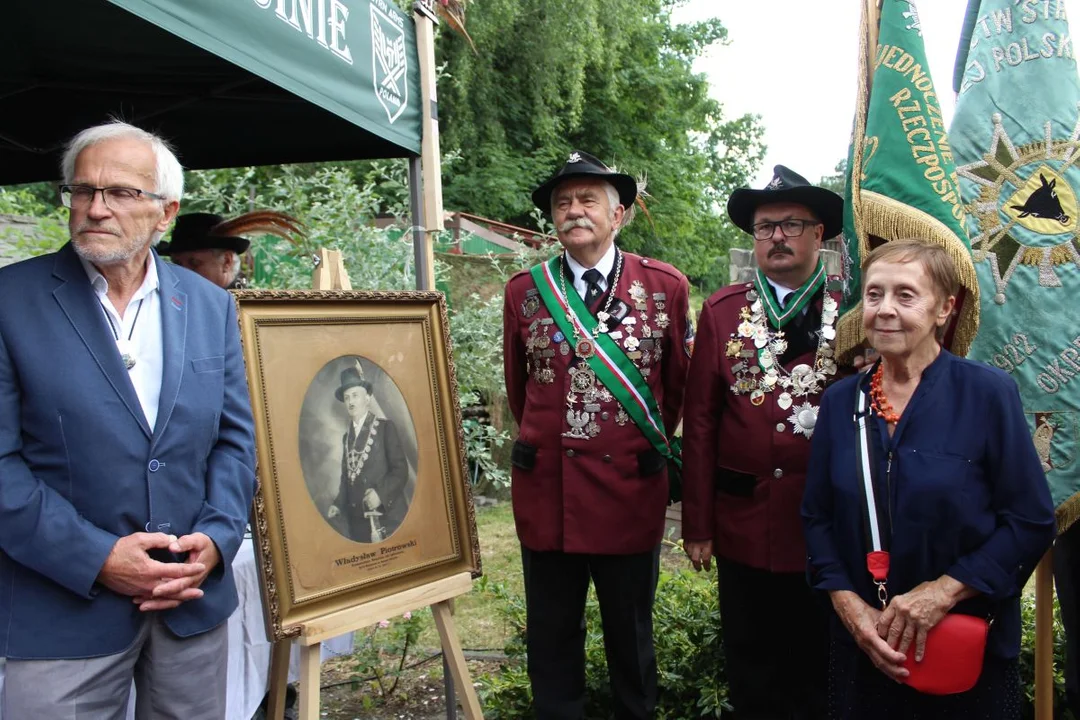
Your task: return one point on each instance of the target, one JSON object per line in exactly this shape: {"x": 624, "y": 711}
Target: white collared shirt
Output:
{"x": 781, "y": 291}
{"x": 604, "y": 267}
{"x": 357, "y": 425}
{"x": 143, "y": 326}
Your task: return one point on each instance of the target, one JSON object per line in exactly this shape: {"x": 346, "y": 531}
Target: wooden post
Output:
{"x": 310, "y": 680}
{"x": 279, "y": 678}
{"x": 455, "y": 657}
{"x": 1044, "y": 638}
{"x": 430, "y": 160}
{"x": 873, "y": 27}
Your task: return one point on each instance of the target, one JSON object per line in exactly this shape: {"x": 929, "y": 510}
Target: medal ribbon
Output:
{"x": 613, "y": 368}
{"x": 796, "y": 301}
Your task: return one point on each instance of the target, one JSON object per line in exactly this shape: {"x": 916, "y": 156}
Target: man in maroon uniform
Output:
{"x": 764, "y": 356}
{"x": 597, "y": 344}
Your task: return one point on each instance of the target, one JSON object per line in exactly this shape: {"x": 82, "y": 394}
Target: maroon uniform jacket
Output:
{"x": 744, "y": 466}
{"x": 606, "y": 492}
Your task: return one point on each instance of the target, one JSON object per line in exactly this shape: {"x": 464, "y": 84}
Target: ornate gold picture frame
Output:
{"x": 363, "y": 491}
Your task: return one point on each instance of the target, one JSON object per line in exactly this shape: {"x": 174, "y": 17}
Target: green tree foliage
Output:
{"x": 838, "y": 180}
{"x": 612, "y": 77}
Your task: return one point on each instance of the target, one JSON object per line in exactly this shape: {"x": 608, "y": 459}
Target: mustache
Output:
{"x": 781, "y": 250}
{"x": 581, "y": 222}
{"x": 96, "y": 227}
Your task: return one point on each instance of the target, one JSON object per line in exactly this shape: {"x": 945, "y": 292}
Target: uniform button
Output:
{"x": 778, "y": 473}
{"x": 607, "y": 458}
{"x": 779, "y": 427}
{"x": 604, "y": 416}
{"x": 154, "y": 465}
{"x": 569, "y": 453}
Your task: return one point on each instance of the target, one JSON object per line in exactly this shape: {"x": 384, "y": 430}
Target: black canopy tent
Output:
{"x": 229, "y": 82}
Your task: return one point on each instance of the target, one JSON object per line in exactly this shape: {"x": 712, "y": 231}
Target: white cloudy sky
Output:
{"x": 793, "y": 62}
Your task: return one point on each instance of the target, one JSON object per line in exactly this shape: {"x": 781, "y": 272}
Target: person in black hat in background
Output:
{"x": 589, "y": 484}
{"x": 764, "y": 356}
{"x": 210, "y": 245}
{"x": 374, "y": 468}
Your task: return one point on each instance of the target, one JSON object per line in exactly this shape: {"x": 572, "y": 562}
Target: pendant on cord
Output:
{"x": 126, "y": 357}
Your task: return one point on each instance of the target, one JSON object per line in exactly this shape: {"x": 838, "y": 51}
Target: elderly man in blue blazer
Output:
{"x": 126, "y": 454}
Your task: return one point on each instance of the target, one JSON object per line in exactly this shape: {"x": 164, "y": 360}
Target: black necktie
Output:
{"x": 592, "y": 279}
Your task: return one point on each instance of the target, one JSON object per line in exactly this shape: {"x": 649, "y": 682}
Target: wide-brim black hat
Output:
{"x": 582, "y": 164}
{"x": 351, "y": 378}
{"x": 194, "y": 231}
{"x": 787, "y": 186}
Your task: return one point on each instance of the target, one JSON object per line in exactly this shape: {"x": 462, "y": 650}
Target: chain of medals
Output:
{"x": 758, "y": 371}
{"x": 355, "y": 460}
{"x": 583, "y": 382}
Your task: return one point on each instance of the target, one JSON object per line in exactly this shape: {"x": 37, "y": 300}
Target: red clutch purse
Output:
{"x": 953, "y": 659}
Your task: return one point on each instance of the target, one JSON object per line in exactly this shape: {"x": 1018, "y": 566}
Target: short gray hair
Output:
{"x": 169, "y": 173}
{"x": 220, "y": 253}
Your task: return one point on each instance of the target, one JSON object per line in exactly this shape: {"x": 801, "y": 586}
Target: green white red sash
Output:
{"x": 613, "y": 368}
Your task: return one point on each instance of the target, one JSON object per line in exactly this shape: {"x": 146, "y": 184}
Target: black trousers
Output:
{"x": 776, "y": 644}
{"x": 1067, "y": 581}
{"x": 556, "y": 585}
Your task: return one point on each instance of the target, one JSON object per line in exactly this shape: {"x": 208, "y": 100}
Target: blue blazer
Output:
{"x": 969, "y": 497}
{"x": 80, "y": 467}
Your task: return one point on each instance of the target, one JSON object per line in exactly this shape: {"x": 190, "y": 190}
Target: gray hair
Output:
{"x": 169, "y": 173}
{"x": 234, "y": 271}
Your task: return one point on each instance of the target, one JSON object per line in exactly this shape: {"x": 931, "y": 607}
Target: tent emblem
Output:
{"x": 389, "y": 63}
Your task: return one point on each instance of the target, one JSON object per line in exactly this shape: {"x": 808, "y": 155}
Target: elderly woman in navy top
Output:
{"x": 958, "y": 475}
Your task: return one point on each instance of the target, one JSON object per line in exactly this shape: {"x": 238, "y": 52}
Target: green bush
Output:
{"x": 690, "y": 660}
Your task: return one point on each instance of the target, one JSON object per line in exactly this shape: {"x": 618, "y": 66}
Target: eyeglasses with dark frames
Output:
{"x": 115, "y": 198}
{"x": 792, "y": 227}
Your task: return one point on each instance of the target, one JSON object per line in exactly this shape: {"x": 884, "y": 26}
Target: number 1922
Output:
{"x": 1014, "y": 353}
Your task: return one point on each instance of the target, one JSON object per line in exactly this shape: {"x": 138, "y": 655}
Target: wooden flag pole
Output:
{"x": 1044, "y": 638}
{"x": 873, "y": 26}
{"x": 430, "y": 161}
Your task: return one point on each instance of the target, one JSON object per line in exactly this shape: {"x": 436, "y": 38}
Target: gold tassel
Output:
{"x": 1067, "y": 513}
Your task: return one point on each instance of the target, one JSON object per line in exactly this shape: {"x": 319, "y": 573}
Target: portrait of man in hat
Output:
{"x": 211, "y": 245}
{"x": 764, "y": 356}
{"x": 358, "y": 449}
{"x": 597, "y": 343}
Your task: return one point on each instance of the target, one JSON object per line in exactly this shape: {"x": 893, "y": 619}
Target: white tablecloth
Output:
{"x": 249, "y": 650}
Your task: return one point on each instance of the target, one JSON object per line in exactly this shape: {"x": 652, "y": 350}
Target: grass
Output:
{"x": 479, "y": 623}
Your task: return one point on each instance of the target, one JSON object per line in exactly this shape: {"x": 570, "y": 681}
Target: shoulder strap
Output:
{"x": 605, "y": 357}
{"x": 877, "y": 554}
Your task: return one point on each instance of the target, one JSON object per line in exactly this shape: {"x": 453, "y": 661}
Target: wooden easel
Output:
{"x": 331, "y": 275}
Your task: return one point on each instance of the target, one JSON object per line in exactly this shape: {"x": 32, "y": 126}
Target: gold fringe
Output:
{"x": 1067, "y": 513}
{"x": 849, "y": 333}
{"x": 881, "y": 216}
{"x": 893, "y": 220}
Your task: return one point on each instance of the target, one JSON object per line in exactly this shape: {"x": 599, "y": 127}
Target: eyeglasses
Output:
{"x": 790, "y": 228}
{"x": 115, "y": 198}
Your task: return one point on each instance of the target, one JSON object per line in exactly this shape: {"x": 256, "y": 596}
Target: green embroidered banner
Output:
{"x": 1015, "y": 137}
{"x": 354, "y": 58}
{"x": 902, "y": 180}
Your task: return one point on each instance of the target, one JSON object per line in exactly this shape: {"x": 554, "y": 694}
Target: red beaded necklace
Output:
{"x": 879, "y": 402}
